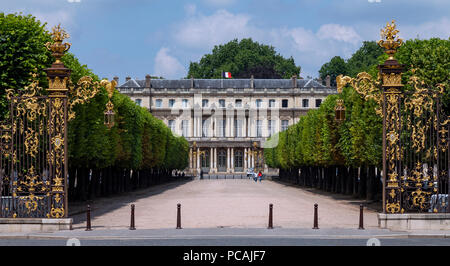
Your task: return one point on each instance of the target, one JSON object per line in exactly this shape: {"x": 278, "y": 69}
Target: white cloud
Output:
{"x": 339, "y": 33}
{"x": 55, "y": 17}
{"x": 374, "y": 1}
{"x": 168, "y": 66}
{"x": 306, "y": 46}
{"x": 310, "y": 48}
{"x": 74, "y": 1}
{"x": 190, "y": 9}
{"x": 219, "y": 2}
{"x": 439, "y": 28}
{"x": 220, "y": 27}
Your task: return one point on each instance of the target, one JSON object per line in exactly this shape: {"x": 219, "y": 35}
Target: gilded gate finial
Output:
{"x": 109, "y": 112}
{"x": 58, "y": 48}
{"x": 389, "y": 39}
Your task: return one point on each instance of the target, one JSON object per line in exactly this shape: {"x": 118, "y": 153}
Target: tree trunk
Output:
{"x": 71, "y": 189}
{"x": 371, "y": 183}
{"x": 349, "y": 182}
{"x": 84, "y": 183}
{"x": 362, "y": 182}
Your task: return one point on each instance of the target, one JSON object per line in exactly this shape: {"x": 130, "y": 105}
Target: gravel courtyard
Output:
{"x": 231, "y": 203}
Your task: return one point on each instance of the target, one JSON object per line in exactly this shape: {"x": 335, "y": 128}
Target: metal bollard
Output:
{"x": 270, "y": 216}
{"x": 132, "y": 226}
{"x": 88, "y": 218}
{"x": 178, "y": 216}
{"x": 361, "y": 217}
{"x": 316, "y": 216}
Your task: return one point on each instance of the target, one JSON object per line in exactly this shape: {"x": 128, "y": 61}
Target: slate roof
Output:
{"x": 223, "y": 83}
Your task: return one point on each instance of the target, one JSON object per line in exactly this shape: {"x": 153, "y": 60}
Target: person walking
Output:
{"x": 255, "y": 176}
{"x": 260, "y": 176}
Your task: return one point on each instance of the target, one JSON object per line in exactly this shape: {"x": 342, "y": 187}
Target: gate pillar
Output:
{"x": 58, "y": 77}
{"x": 391, "y": 76}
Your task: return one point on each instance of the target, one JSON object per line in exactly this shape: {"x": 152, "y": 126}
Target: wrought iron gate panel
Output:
{"x": 5, "y": 170}
{"x": 424, "y": 148}
{"x": 33, "y": 143}
{"x": 416, "y": 152}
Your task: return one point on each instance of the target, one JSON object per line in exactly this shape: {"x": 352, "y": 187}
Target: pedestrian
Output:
{"x": 255, "y": 177}
{"x": 201, "y": 173}
{"x": 260, "y": 176}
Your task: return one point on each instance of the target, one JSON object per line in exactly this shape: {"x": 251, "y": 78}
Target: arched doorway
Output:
{"x": 205, "y": 161}
{"x": 222, "y": 160}
{"x": 238, "y": 160}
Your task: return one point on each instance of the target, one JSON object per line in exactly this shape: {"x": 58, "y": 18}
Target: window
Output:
{"x": 284, "y": 125}
{"x": 171, "y": 102}
{"x": 185, "y": 103}
{"x": 238, "y": 159}
{"x": 205, "y": 103}
{"x": 222, "y": 127}
{"x": 318, "y": 102}
{"x": 271, "y": 103}
{"x": 222, "y": 160}
{"x": 238, "y": 103}
{"x": 238, "y": 128}
{"x": 305, "y": 103}
{"x": 138, "y": 101}
{"x": 258, "y": 128}
{"x": 205, "y": 159}
{"x": 205, "y": 127}
{"x": 258, "y": 103}
{"x": 284, "y": 103}
{"x": 171, "y": 125}
{"x": 271, "y": 127}
{"x": 184, "y": 128}
{"x": 222, "y": 103}
{"x": 158, "y": 103}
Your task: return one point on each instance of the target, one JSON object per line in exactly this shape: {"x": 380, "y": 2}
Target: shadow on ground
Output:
{"x": 102, "y": 205}
{"x": 374, "y": 205}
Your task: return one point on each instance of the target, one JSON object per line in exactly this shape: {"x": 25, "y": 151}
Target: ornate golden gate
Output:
{"x": 415, "y": 134}
{"x": 33, "y": 143}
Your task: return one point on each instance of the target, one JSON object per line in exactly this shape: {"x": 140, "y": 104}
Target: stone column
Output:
{"x": 244, "y": 127}
{"x": 228, "y": 160}
{"x": 232, "y": 160}
{"x": 245, "y": 159}
{"x": 211, "y": 160}
{"x": 190, "y": 159}
{"x": 198, "y": 160}
{"x": 215, "y": 160}
{"x": 200, "y": 126}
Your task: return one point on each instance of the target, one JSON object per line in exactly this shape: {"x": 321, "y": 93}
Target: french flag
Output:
{"x": 226, "y": 75}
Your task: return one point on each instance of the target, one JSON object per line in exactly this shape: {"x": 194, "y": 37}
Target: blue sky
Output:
{"x": 157, "y": 37}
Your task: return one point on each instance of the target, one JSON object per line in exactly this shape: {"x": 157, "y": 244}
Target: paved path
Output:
{"x": 225, "y": 204}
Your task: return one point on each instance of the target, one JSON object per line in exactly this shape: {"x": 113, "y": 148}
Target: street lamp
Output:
{"x": 339, "y": 110}
{"x": 194, "y": 155}
{"x": 257, "y": 155}
{"x": 109, "y": 112}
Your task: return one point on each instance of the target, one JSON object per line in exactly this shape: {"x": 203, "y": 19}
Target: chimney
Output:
{"x": 252, "y": 82}
{"x": 192, "y": 81}
{"x": 328, "y": 81}
{"x": 127, "y": 78}
{"x": 116, "y": 78}
{"x": 148, "y": 80}
{"x": 320, "y": 81}
{"x": 294, "y": 81}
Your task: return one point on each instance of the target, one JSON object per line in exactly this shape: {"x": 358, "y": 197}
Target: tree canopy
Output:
{"x": 22, "y": 51}
{"x": 243, "y": 59}
{"x": 318, "y": 140}
{"x": 363, "y": 60}
{"x": 137, "y": 141}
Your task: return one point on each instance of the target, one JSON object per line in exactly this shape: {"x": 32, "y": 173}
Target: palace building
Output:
{"x": 227, "y": 121}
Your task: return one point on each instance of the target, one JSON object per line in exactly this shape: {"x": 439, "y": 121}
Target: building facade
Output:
{"x": 227, "y": 121}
